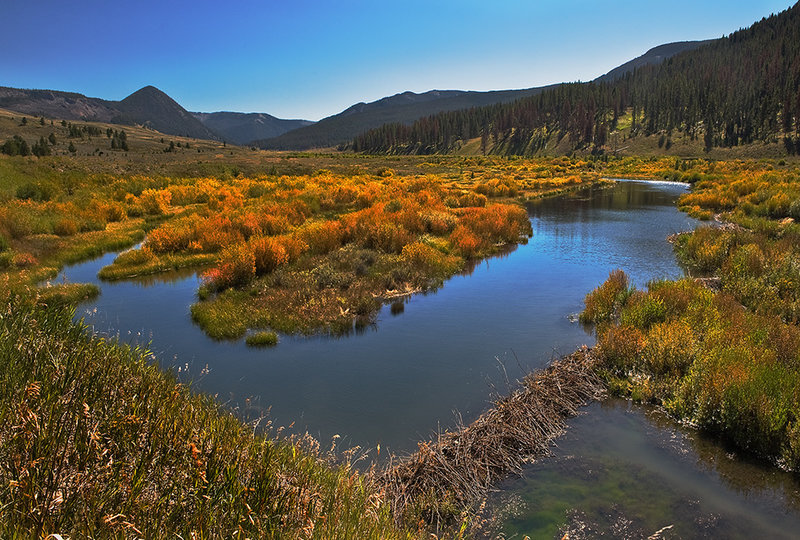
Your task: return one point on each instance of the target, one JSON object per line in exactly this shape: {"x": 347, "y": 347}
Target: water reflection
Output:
{"x": 400, "y": 379}
{"x": 626, "y": 471}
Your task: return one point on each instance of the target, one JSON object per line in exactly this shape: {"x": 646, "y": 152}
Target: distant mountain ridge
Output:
{"x": 407, "y": 107}
{"x": 149, "y": 107}
{"x": 243, "y": 128}
{"x": 738, "y": 90}
{"x": 656, "y": 55}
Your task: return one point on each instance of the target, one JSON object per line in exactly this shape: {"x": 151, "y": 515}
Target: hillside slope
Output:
{"x": 243, "y": 128}
{"x": 656, "y": 55}
{"x": 407, "y": 107}
{"x": 734, "y": 91}
{"x": 149, "y": 107}
{"x": 402, "y": 108}
{"x": 55, "y": 104}
{"x": 153, "y": 108}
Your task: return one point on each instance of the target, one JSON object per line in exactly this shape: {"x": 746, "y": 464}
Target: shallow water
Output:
{"x": 404, "y": 378}
{"x": 627, "y": 471}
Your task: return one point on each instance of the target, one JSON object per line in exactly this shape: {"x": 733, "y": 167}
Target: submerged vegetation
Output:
{"x": 721, "y": 352}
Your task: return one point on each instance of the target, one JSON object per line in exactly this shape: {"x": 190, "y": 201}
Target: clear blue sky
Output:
{"x": 310, "y": 59}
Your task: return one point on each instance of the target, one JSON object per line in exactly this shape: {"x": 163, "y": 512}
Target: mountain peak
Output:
{"x": 150, "y": 93}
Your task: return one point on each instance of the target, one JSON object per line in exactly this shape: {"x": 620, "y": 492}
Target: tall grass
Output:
{"x": 97, "y": 442}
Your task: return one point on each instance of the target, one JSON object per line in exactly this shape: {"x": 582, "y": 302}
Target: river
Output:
{"x": 450, "y": 352}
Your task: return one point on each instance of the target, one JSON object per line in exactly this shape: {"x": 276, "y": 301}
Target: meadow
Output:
{"x": 97, "y": 441}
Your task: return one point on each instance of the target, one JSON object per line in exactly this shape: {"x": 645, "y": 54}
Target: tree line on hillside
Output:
{"x": 736, "y": 90}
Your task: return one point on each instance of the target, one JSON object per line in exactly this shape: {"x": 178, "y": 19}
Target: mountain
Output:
{"x": 737, "y": 90}
{"x": 407, "y": 107}
{"x": 656, "y": 55}
{"x": 153, "y": 108}
{"x": 149, "y": 107}
{"x": 243, "y": 128}
{"x": 403, "y": 108}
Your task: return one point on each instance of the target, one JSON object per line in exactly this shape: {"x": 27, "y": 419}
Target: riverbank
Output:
{"x": 444, "y": 482}
{"x": 727, "y": 361}
{"x": 98, "y": 442}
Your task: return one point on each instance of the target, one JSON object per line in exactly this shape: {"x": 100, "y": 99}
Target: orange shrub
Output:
{"x": 293, "y": 246}
{"x": 323, "y": 237}
{"x": 225, "y": 199}
{"x": 620, "y": 346}
{"x": 186, "y": 195}
{"x": 216, "y": 232}
{"x": 496, "y": 223}
{"x": 171, "y": 237}
{"x": 237, "y": 267}
{"x": 438, "y": 223}
{"x": 465, "y": 242}
{"x": 409, "y": 218}
{"x": 155, "y": 202}
{"x": 112, "y": 212}
{"x": 472, "y": 199}
{"x": 387, "y": 237}
{"x": 671, "y": 348}
{"x": 65, "y": 227}
{"x": 269, "y": 253}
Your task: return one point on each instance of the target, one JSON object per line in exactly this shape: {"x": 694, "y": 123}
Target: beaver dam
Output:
{"x": 455, "y": 471}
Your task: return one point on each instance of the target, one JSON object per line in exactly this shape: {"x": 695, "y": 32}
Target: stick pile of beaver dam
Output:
{"x": 455, "y": 471}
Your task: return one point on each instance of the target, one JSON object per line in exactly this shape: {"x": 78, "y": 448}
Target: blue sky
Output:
{"x": 310, "y": 59}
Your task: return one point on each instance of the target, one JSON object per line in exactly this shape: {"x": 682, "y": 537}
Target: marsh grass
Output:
{"x": 129, "y": 267}
{"x": 67, "y": 294}
{"x": 709, "y": 361}
{"x": 96, "y": 441}
{"x": 262, "y": 339}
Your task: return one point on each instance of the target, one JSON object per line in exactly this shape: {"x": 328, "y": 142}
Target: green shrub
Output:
{"x": 604, "y": 303}
{"x": 262, "y": 339}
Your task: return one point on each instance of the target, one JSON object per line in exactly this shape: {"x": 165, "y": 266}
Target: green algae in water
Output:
{"x": 625, "y": 471}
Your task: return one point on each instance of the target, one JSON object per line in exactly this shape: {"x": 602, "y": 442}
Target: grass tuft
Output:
{"x": 262, "y": 339}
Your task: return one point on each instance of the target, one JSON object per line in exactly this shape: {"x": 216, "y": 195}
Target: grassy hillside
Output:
{"x": 739, "y": 90}
{"x": 407, "y": 107}
{"x": 149, "y": 107}
{"x": 97, "y": 442}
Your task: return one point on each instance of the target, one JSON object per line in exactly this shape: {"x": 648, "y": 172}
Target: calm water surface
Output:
{"x": 452, "y": 350}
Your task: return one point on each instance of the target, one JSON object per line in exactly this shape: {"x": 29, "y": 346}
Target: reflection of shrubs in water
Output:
{"x": 314, "y": 253}
{"x": 398, "y": 307}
